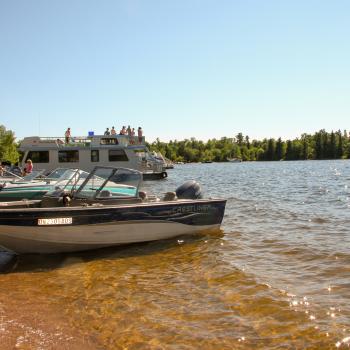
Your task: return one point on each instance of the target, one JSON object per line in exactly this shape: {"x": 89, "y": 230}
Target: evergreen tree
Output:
{"x": 239, "y": 138}
{"x": 247, "y": 141}
{"x": 319, "y": 151}
{"x": 305, "y": 149}
{"x": 271, "y": 150}
{"x": 340, "y": 146}
{"x": 280, "y": 152}
{"x": 289, "y": 150}
{"x": 332, "y": 146}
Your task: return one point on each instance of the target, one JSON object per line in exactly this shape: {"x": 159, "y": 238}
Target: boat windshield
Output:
{"x": 107, "y": 182}
{"x": 57, "y": 174}
{"x": 69, "y": 181}
{"x": 35, "y": 174}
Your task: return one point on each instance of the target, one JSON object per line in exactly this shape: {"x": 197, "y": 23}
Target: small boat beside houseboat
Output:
{"x": 35, "y": 185}
{"x": 9, "y": 176}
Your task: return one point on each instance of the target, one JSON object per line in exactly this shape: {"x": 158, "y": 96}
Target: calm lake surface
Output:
{"x": 276, "y": 277}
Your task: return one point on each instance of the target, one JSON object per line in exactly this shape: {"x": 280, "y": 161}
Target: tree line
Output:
{"x": 320, "y": 145}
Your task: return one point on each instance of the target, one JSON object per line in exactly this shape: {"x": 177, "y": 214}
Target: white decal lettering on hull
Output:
{"x": 55, "y": 221}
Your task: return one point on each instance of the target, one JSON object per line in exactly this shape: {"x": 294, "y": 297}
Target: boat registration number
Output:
{"x": 55, "y": 221}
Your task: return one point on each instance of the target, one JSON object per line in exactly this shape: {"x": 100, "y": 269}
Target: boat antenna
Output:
{"x": 39, "y": 123}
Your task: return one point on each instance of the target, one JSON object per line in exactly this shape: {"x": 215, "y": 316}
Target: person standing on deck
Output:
{"x": 128, "y": 130}
{"x": 113, "y": 132}
{"x": 123, "y": 131}
{"x": 139, "y": 134}
{"x": 67, "y": 135}
{"x": 132, "y": 136}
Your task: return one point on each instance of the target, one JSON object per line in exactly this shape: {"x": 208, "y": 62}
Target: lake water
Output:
{"x": 276, "y": 277}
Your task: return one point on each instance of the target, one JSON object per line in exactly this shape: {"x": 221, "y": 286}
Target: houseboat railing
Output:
{"x": 85, "y": 141}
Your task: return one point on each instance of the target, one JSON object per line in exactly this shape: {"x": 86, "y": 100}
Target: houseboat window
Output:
{"x": 117, "y": 155}
{"x": 68, "y": 156}
{"x": 109, "y": 141}
{"x": 95, "y": 155}
{"x": 38, "y": 156}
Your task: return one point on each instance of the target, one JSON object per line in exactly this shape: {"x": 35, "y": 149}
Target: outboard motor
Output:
{"x": 189, "y": 190}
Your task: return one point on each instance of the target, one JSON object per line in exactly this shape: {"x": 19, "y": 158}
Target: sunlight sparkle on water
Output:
{"x": 345, "y": 341}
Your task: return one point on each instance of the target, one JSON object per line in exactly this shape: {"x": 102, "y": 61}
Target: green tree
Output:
{"x": 332, "y": 146}
{"x": 319, "y": 146}
{"x": 280, "y": 149}
{"x": 305, "y": 148}
{"x": 340, "y": 146}
{"x": 289, "y": 150}
{"x": 271, "y": 150}
{"x": 239, "y": 138}
{"x": 8, "y": 147}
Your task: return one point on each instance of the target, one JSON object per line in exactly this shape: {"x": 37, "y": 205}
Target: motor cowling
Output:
{"x": 189, "y": 190}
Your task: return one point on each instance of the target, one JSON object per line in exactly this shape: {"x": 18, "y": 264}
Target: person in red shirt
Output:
{"x": 28, "y": 167}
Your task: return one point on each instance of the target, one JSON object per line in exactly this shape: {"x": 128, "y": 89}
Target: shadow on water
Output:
{"x": 8, "y": 261}
{"x": 13, "y": 263}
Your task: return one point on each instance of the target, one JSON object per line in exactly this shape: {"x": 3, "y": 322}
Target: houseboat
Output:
{"x": 94, "y": 150}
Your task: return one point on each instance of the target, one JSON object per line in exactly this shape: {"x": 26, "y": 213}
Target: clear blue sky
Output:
{"x": 179, "y": 69}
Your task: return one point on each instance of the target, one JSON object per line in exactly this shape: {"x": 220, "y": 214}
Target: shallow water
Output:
{"x": 276, "y": 277}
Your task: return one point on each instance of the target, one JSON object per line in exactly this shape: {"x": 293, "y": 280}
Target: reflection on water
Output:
{"x": 277, "y": 277}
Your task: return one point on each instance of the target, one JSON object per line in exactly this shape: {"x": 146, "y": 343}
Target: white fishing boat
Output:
{"x": 107, "y": 209}
{"x": 96, "y": 150}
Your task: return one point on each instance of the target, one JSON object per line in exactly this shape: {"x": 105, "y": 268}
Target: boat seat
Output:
{"x": 105, "y": 194}
{"x": 170, "y": 196}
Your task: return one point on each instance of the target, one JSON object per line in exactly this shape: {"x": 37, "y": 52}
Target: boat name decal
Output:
{"x": 191, "y": 209}
{"x": 55, "y": 221}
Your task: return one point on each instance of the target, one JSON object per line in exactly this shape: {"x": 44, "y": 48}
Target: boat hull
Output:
{"x": 53, "y": 240}
{"x": 15, "y": 192}
{"x": 55, "y": 230}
